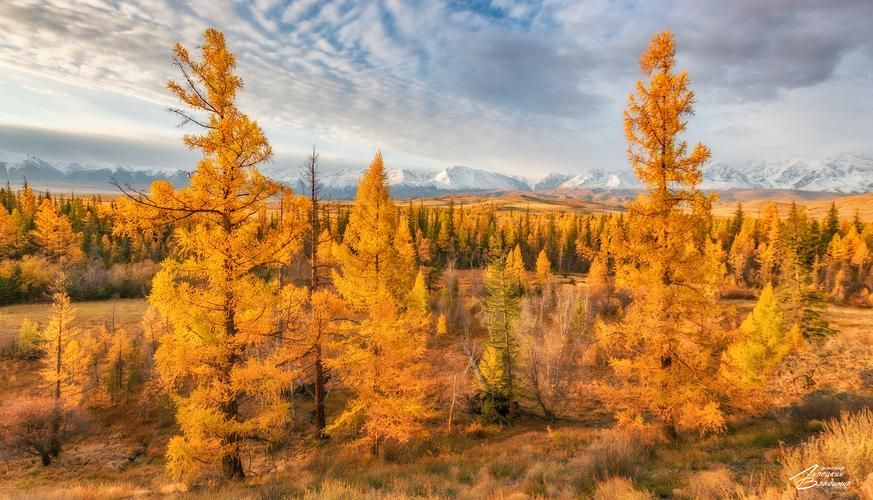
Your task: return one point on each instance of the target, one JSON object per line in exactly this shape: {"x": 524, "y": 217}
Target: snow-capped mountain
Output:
{"x": 602, "y": 179}
{"x": 460, "y": 178}
{"x": 342, "y": 183}
{"x": 76, "y": 176}
{"x": 551, "y": 181}
{"x": 847, "y": 173}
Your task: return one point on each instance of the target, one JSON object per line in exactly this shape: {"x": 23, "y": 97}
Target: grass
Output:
{"x": 576, "y": 459}
{"x": 92, "y": 314}
{"x": 817, "y": 208}
{"x": 845, "y": 442}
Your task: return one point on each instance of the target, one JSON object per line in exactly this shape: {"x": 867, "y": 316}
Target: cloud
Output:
{"x": 758, "y": 49}
{"x": 505, "y": 84}
{"x": 54, "y": 145}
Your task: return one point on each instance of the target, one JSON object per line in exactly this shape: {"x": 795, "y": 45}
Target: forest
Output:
{"x": 294, "y": 346}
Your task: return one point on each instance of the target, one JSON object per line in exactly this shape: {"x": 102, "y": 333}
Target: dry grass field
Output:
{"x": 121, "y": 454}
{"x": 125, "y": 312}
{"x": 848, "y": 206}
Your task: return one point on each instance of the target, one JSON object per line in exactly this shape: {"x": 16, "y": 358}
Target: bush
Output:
{"x": 846, "y": 442}
{"x": 35, "y": 426}
{"x": 618, "y": 452}
{"x": 25, "y": 280}
{"x": 619, "y": 488}
{"x": 508, "y": 468}
{"x": 329, "y": 490}
{"x": 715, "y": 483}
{"x": 28, "y": 345}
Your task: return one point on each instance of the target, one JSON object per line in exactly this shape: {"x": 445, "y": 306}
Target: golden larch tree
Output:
{"x": 64, "y": 365}
{"x": 381, "y": 359}
{"x": 543, "y": 268}
{"x": 54, "y": 235}
{"x": 65, "y": 362}
{"x": 224, "y": 359}
{"x": 665, "y": 349}
{"x": 9, "y": 234}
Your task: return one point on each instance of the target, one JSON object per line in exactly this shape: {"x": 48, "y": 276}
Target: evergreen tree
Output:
{"x": 498, "y": 366}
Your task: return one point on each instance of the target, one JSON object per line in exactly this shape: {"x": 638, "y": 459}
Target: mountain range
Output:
{"x": 847, "y": 173}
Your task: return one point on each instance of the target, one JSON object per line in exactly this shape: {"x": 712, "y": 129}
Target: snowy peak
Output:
{"x": 459, "y": 178}
{"x": 847, "y": 173}
{"x": 602, "y": 179}
{"x": 96, "y": 178}
{"x": 551, "y": 181}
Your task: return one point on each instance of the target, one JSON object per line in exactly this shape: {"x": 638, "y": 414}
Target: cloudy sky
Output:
{"x": 524, "y": 87}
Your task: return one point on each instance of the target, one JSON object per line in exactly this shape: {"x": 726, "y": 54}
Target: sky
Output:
{"x": 516, "y": 86}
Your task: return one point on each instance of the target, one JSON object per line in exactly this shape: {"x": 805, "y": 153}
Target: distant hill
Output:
{"x": 817, "y": 207}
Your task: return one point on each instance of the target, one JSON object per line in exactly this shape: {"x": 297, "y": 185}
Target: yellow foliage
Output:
{"x": 382, "y": 364}
{"x": 381, "y": 360}
{"x": 543, "y": 268}
{"x": 10, "y": 240}
{"x": 54, "y": 235}
{"x": 223, "y": 359}
{"x": 376, "y": 250}
{"x": 664, "y": 347}
{"x": 66, "y": 362}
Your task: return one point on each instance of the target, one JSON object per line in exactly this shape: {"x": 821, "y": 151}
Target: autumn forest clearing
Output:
{"x": 235, "y": 339}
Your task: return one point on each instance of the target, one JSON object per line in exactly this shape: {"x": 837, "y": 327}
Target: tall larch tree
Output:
{"x": 64, "y": 365}
{"x": 223, "y": 360}
{"x": 665, "y": 349}
{"x": 381, "y": 359}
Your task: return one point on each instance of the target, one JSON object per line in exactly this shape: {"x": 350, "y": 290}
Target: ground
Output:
{"x": 126, "y": 313}
{"x": 121, "y": 454}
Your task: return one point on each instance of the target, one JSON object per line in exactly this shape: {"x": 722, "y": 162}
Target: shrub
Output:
{"x": 26, "y": 279}
{"x": 715, "y": 483}
{"x": 35, "y": 426}
{"x": 507, "y": 468}
{"x": 619, "y": 488}
{"x": 846, "y": 442}
{"x": 330, "y": 490}
{"x": 617, "y": 452}
{"x": 28, "y": 344}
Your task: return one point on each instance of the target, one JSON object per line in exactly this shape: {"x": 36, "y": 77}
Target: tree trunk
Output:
{"x": 319, "y": 393}
{"x": 231, "y": 462}
{"x": 54, "y": 447}
{"x": 232, "y": 466}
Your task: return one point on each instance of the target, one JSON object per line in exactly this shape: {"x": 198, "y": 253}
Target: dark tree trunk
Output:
{"x": 319, "y": 393}
{"x": 232, "y": 467}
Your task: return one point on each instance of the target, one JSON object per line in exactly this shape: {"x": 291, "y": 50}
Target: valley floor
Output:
{"x": 120, "y": 453}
